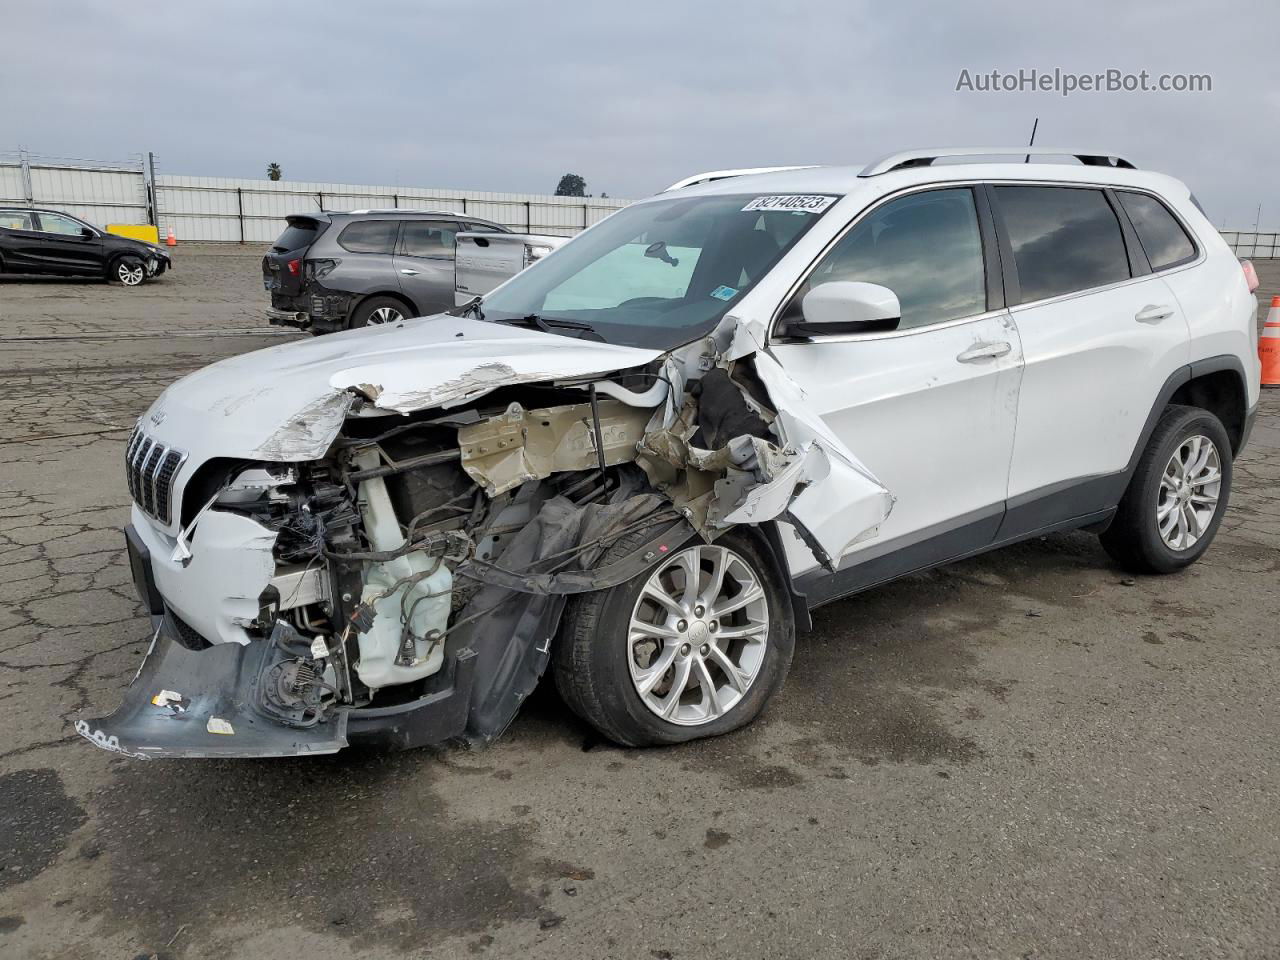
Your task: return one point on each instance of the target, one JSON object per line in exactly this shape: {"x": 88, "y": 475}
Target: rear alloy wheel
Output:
{"x": 378, "y": 310}
{"x": 692, "y": 648}
{"x": 1177, "y": 496}
{"x": 129, "y": 271}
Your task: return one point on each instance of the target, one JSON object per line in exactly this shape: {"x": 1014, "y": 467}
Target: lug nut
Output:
{"x": 684, "y": 650}
{"x": 713, "y": 626}
{"x": 704, "y": 649}
{"x": 698, "y": 611}
{"x": 682, "y": 625}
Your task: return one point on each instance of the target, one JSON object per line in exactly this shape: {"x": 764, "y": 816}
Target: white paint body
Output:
{"x": 947, "y": 436}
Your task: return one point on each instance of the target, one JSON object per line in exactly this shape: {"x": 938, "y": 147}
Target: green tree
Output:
{"x": 571, "y": 185}
{"x": 273, "y": 171}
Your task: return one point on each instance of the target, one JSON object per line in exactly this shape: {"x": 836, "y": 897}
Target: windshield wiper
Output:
{"x": 547, "y": 324}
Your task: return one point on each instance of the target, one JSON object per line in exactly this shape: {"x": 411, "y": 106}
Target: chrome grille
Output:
{"x": 150, "y": 467}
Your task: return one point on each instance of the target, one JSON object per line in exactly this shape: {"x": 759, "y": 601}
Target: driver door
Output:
{"x": 67, "y": 246}
{"x": 929, "y": 407}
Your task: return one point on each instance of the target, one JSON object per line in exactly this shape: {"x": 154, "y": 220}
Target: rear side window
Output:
{"x": 16, "y": 220}
{"x": 1064, "y": 239}
{"x": 429, "y": 238}
{"x": 297, "y": 235}
{"x": 1162, "y": 237}
{"x": 369, "y": 236}
{"x": 925, "y": 247}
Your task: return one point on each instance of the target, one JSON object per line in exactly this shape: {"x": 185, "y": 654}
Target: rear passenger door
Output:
{"x": 424, "y": 263}
{"x": 1100, "y": 336}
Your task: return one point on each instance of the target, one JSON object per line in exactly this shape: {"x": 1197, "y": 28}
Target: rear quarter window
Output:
{"x": 16, "y": 220}
{"x": 299, "y": 234}
{"x": 369, "y": 236}
{"x": 1163, "y": 239}
{"x": 1065, "y": 239}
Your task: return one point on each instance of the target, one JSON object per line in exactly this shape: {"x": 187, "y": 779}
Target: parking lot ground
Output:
{"x": 1025, "y": 755}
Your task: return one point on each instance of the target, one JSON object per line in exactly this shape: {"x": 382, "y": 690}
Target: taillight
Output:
{"x": 1250, "y": 274}
{"x": 295, "y": 267}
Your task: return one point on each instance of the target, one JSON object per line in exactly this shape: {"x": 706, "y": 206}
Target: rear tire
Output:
{"x": 378, "y": 310}
{"x": 1177, "y": 496}
{"x": 614, "y": 642}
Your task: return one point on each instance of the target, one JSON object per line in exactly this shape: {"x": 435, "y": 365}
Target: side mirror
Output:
{"x": 86, "y": 233}
{"x": 847, "y": 306}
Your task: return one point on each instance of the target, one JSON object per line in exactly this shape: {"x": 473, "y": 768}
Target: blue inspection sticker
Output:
{"x": 724, "y": 293}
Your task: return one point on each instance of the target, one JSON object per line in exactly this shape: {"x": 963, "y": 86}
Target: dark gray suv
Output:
{"x": 337, "y": 271}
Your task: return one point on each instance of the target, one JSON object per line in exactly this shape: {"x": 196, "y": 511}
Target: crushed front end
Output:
{"x": 392, "y": 566}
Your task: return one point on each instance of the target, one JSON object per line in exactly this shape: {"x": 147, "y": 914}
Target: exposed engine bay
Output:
{"x": 406, "y": 586}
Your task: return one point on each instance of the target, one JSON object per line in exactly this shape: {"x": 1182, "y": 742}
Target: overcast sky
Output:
{"x": 499, "y": 95}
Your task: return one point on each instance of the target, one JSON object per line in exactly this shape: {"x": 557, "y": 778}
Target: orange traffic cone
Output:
{"x": 171, "y": 240}
{"x": 1269, "y": 346}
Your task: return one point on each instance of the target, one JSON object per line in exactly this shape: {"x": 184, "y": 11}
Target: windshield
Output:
{"x": 661, "y": 273}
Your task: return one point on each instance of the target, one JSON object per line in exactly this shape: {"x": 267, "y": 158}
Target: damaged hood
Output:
{"x": 286, "y": 403}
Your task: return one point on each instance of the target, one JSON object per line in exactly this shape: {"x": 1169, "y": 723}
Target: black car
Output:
{"x": 50, "y": 242}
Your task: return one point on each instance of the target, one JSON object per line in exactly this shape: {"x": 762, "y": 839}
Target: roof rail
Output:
{"x": 923, "y": 158}
{"x": 397, "y": 210}
{"x": 725, "y": 174}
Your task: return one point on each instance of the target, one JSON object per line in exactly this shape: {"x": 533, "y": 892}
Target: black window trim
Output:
{"x": 399, "y": 247}
{"x": 996, "y": 289}
{"x": 1124, "y": 218}
{"x": 1013, "y": 289}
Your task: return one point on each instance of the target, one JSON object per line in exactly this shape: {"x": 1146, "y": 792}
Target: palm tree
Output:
{"x": 273, "y": 171}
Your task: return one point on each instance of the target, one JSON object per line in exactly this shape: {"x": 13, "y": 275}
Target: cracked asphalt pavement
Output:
{"x": 1026, "y": 755}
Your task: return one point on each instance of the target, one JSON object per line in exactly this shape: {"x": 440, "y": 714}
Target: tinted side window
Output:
{"x": 484, "y": 228}
{"x": 1160, "y": 233}
{"x": 16, "y": 220}
{"x": 63, "y": 226}
{"x": 369, "y": 236}
{"x": 429, "y": 238}
{"x": 1064, "y": 239}
{"x": 925, "y": 247}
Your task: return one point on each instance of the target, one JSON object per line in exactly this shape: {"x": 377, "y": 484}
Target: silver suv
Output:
{"x": 338, "y": 271}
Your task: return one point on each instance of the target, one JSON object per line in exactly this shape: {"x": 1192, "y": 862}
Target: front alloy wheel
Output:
{"x": 698, "y": 635}
{"x": 130, "y": 271}
{"x": 693, "y": 647}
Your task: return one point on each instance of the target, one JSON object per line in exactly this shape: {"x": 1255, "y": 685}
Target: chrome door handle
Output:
{"x": 1152, "y": 313}
{"x": 410, "y": 273}
{"x": 984, "y": 351}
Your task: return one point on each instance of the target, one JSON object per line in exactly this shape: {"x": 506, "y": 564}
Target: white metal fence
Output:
{"x": 253, "y": 211}
{"x": 96, "y": 191}
{"x": 1253, "y": 245}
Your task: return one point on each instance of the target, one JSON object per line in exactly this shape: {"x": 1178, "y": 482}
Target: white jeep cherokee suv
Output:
{"x": 642, "y": 461}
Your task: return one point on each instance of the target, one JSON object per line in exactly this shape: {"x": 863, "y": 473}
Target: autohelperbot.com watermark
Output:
{"x": 1066, "y": 83}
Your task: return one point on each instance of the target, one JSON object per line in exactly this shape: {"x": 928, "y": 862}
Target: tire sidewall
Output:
{"x": 617, "y": 691}
{"x": 1187, "y": 424}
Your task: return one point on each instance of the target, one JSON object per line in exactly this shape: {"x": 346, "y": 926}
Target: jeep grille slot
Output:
{"x": 150, "y": 468}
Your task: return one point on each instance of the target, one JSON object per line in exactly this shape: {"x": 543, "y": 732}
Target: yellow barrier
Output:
{"x": 135, "y": 231}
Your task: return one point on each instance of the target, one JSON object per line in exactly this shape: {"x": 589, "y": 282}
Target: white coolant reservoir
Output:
{"x": 425, "y": 602}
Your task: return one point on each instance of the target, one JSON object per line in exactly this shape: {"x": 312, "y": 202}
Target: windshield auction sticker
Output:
{"x": 795, "y": 202}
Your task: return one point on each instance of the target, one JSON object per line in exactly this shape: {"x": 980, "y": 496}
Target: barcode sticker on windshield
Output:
{"x": 795, "y": 202}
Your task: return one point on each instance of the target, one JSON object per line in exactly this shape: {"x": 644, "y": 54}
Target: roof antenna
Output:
{"x": 1032, "y": 141}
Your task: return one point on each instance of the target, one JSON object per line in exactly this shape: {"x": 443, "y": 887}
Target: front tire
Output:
{"x": 1177, "y": 495}
{"x": 692, "y": 648}
{"x": 129, "y": 271}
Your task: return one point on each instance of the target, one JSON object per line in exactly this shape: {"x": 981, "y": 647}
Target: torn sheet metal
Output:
{"x": 219, "y": 688}
{"x": 505, "y": 451}
{"x": 789, "y": 466}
